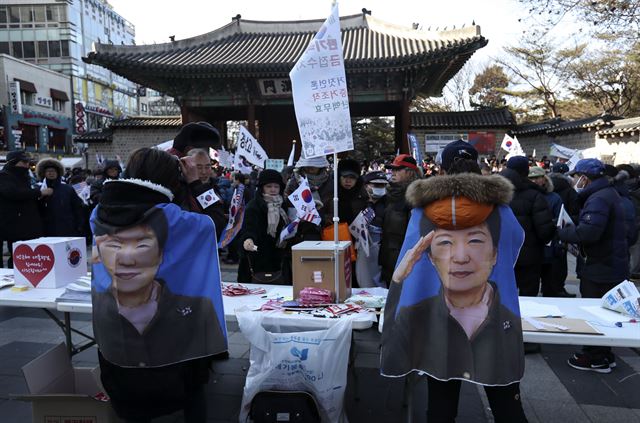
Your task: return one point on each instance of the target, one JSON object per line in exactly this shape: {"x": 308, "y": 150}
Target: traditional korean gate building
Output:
{"x": 240, "y": 71}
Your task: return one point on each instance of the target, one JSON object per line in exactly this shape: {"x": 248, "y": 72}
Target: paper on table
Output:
{"x": 534, "y": 309}
{"x": 603, "y": 314}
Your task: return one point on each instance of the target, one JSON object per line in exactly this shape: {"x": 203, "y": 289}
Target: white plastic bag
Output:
{"x": 289, "y": 357}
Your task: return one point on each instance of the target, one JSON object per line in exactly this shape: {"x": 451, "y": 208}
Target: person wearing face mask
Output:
{"x": 601, "y": 235}
{"x": 19, "y": 213}
{"x": 367, "y": 268}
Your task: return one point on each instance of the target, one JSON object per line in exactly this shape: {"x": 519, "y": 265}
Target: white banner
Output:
{"x": 15, "y": 101}
{"x": 573, "y": 161}
{"x": 561, "y": 151}
{"x": 320, "y": 96}
{"x": 250, "y": 148}
{"x": 302, "y": 200}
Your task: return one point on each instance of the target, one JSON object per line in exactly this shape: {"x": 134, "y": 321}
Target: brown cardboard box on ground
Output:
{"x": 312, "y": 263}
{"x": 60, "y": 393}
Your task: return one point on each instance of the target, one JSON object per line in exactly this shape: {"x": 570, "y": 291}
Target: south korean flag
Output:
{"x": 302, "y": 200}
{"x": 359, "y": 230}
{"x": 207, "y": 198}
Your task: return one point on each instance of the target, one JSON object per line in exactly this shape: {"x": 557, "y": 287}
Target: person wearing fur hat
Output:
{"x": 264, "y": 218}
{"x": 452, "y": 307}
{"x": 111, "y": 170}
{"x": 62, "y": 212}
{"x": 155, "y": 327}
{"x": 532, "y": 211}
{"x": 19, "y": 214}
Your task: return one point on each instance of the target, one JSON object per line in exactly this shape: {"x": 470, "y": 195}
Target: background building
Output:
{"x": 36, "y": 107}
{"x": 56, "y": 35}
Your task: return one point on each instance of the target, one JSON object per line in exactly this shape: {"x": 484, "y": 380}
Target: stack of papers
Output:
{"x": 534, "y": 309}
{"x": 624, "y": 298}
{"x": 77, "y": 292}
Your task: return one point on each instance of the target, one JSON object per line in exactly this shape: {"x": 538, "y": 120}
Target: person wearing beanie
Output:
{"x": 111, "y": 170}
{"x": 532, "y": 211}
{"x": 459, "y": 156}
{"x": 264, "y": 218}
{"x": 404, "y": 170}
{"x": 19, "y": 214}
{"x": 452, "y": 307}
{"x": 63, "y": 211}
{"x": 157, "y": 311}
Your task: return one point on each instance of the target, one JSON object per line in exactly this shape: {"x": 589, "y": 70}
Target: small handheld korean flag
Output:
{"x": 358, "y": 229}
{"x": 302, "y": 200}
{"x": 207, "y": 198}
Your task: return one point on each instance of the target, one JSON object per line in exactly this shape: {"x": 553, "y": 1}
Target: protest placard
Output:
{"x": 249, "y": 148}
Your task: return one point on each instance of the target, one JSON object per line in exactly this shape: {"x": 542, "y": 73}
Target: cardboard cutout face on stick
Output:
{"x": 156, "y": 298}
{"x": 453, "y": 312}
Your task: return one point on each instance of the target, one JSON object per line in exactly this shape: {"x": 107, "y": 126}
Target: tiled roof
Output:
{"x": 252, "y": 47}
{"x": 101, "y": 135}
{"x": 494, "y": 118}
{"x": 621, "y": 127}
{"x": 148, "y": 121}
{"x": 581, "y": 124}
{"x": 539, "y": 127}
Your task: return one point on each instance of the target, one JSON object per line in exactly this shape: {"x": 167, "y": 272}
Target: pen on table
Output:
{"x": 619, "y": 324}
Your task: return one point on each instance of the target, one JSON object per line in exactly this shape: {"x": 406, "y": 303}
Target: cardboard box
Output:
{"x": 60, "y": 393}
{"x": 313, "y": 266}
{"x": 50, "y": 262}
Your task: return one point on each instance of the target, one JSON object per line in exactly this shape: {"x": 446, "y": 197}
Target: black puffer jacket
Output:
{"x": 19, "y": 215}
{"x": 394, "y": 227}
{"x": 563, "y": 188}
{"x": 532, "y": 211}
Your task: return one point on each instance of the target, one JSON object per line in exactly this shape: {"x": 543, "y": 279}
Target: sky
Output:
{"x": 156, "y": 20}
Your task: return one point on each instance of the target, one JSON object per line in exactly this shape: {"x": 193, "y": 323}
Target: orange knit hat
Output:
{"x": 457, "y": 212}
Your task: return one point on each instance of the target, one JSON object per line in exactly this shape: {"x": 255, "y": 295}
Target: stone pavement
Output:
{"x": 551, "y": 391}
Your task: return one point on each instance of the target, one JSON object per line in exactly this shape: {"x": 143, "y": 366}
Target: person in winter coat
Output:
{"x": 367, "y": 267}
{"x": 548, "y": 275}
{"x": 264, "y": 219}
{"x": 63, "y": 211}
{"x": 563, "y": 186}
{"x": 532, "y": 211}
{"x": 321, "y": 184}
{"x": 352, "y": 195}
{"x": 602, "y": 238}
{"x": 618, "y": 179}
{"x": 404, "y": 170}
{"x": 19, "y": 215}
{"x": 633, "y": 185}
{"x": 203, "y": 188}
{"x": 111, "y": 170}
{"x": 142, "y": 394}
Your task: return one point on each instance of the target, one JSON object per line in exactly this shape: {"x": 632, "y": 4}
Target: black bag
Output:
{"x": 265, "y": 278}
{"x": 284, "y": 406}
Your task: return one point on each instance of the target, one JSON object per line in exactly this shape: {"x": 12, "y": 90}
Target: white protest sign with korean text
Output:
{"x": 250, "y": 148}
{"x": 320, "y": 93}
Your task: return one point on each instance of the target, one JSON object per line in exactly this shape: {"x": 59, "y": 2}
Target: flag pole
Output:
{"x": 336, "y": 220}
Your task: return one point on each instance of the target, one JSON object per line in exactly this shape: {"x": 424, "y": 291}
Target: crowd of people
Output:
{"x": 602, "y": 201}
